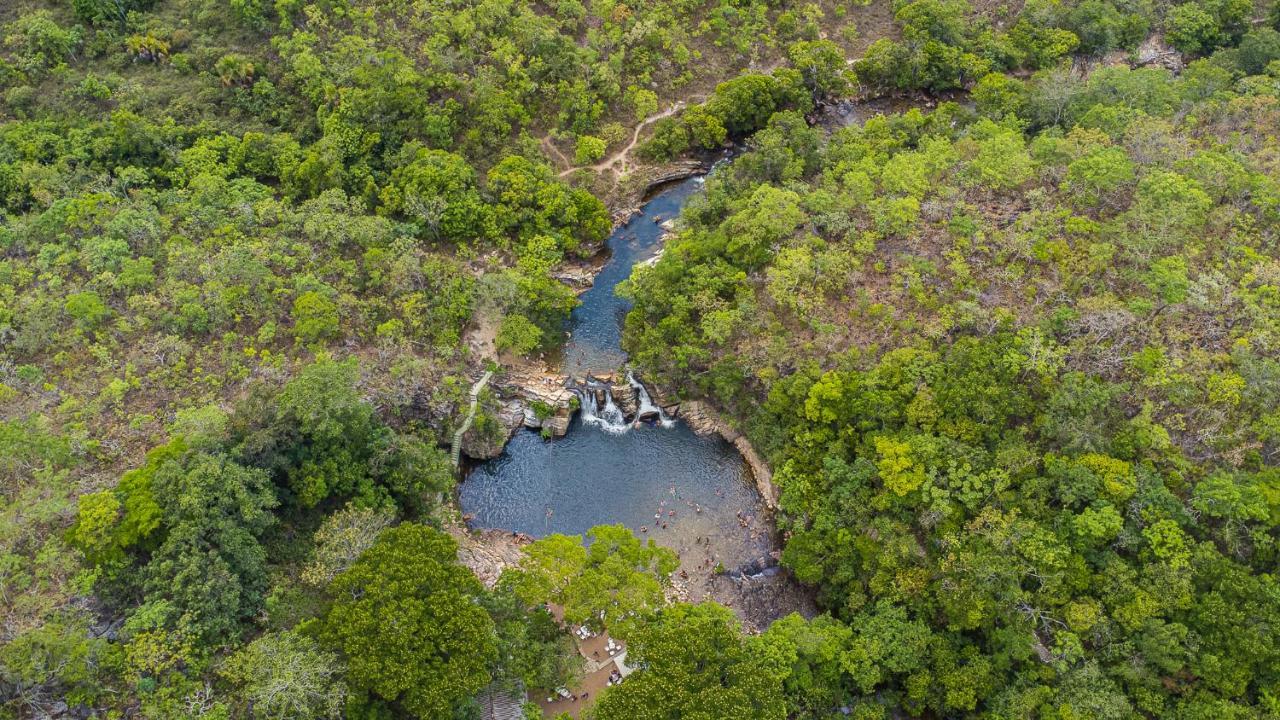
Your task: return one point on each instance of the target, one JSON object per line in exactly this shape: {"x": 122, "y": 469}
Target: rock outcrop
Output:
{"x": 558, "y": 424}
{"x": 671, "y": 172}
{"x": 579, "y": 276}
{"x": 669, "y": 403}
{"x": 1154, "y": 51}
{"x": 483, "y": 441}
{"x": 647, "y": 180}
{"x": 535, "y": 399}
{"x": 488, "y": 552}
{"x": 626, "y": 398}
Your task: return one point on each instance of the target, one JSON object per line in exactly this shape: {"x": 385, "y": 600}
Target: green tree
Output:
{"x": 341, "y": 539}
{"x": 823, "y": 67}
{"x": 612, "y": 583}
{"x": 1168, "y": 279}
{"x": 768, "y": 217}
{"x": 102, "y": 12}
{"x": 1167, "y": 210}
{"x": 1258, "y": 49}
{"x": 87, "y": 309}
{"x": 323, "y": 438}
{"x": 287, "y": 676}
{"x": 518, "y": 335}
{"x": 408, "y": 621}
{"x": 588, "y": 150}
{"x": 704, "y": 127}
{"x": 415, "y": 472}
{"x": 61, "y": 657}
{"x": 644, "y": 102}
{"x": 531, "y": 202}
{"x": 1191, "y": 29}
{"x": 696, "y": 666}
{"x": 438, "y": 191}
{"x": 534, "y": 649}
{"x": 1041, "y": 45}
{"x": 1002, "y": 161}
{"x": 315, "y": 317}
{"x": 210, "y": 566}
{"x": 1103, "y": 27}
{"x": 323, "y": 401}
{"x": 814, "y": 652}
{"x": 998, "y": 95}
{"x": 1098, "y": 175}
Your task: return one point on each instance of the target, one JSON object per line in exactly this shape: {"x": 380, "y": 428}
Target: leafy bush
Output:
{"x": 315, "y": 317}
{"x": 588, "y": 150}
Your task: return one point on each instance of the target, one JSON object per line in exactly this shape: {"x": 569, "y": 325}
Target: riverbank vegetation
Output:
{"x": 1013, "y": 364}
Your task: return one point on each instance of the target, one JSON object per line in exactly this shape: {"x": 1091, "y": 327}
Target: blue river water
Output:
{"x": 595, "y": 342}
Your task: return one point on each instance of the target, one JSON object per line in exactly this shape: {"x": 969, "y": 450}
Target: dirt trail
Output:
{"x": 622, "y": 156}
{"x": 550, "y": 148}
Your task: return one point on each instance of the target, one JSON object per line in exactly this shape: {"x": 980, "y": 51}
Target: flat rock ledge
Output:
{"x": 648, "y": 179}
{"x": 488, "y": 552}
{"x": 532, "y": 398}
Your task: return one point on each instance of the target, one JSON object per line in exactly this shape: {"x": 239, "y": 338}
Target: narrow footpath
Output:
{"x": 622, "y": 157}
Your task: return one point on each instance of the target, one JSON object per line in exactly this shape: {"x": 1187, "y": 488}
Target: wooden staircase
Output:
{"x": 474, "y": 394}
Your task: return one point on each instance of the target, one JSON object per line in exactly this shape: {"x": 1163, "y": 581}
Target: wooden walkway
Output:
{"x": 474, "y": 394}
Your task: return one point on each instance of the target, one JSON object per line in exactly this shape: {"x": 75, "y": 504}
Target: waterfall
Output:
{"x": 647, "y": 407}
{"x": 599, "y": 409}
{"x": 605, "y": 415}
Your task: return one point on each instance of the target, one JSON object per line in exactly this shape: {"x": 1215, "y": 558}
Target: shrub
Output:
{"x": 87, "y": 309}
{"x": 315, "y": 317}
{"x": 589, "y": 150}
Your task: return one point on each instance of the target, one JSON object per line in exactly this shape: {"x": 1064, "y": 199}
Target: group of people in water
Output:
{"x": 665, "y": 515}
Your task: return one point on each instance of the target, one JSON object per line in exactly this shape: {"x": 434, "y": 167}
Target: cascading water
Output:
{"x": 647, "y": 408}
{"x": 600, "y": 409}
{"x": 605, "y": 415}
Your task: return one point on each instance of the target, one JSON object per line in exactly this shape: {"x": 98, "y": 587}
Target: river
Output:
{"x": 691, "y": 493}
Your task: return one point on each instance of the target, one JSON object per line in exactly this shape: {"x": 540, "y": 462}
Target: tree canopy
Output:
{"x": 406, "y": 618}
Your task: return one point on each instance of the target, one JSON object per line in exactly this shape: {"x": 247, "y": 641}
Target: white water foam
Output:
{"x": 647, "y": 406}
{"x": 608, "y": 416}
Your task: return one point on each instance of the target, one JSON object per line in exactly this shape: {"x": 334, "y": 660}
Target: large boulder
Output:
{"x": 558, "y": 424}
{"x": 625, "y": 397}
{"x": 483, "y": 441}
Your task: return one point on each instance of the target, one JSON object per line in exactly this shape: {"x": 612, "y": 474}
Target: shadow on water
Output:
{"x": 690, "y": 493}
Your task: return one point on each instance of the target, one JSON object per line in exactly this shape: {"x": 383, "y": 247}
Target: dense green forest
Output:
{"x": 1016, "y": 368}
{"x": 1012, "y": 358}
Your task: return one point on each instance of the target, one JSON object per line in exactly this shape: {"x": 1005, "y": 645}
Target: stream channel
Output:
{"x": 691, "y": 493}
